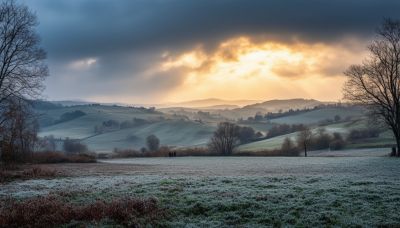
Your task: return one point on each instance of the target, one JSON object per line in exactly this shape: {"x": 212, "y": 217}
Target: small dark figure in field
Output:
{"x": 171, "y": 154}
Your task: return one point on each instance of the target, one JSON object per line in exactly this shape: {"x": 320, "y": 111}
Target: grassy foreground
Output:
{"x": 237, "y": 191}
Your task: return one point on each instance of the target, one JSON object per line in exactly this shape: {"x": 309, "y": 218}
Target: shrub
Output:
{"x": 321, "y": 140}
{"x": 153, "y": 143}
{"x": 363, "y": 134}
{"x": 117, "y": 153}
{"x": 69, "y": 116}
{"x": 283, "y": 129}
{"x": 246, "y": 134}
{"x": 338, "y": 142}
{"x": 74, "y": 147}
{"x": 289, "y": 148}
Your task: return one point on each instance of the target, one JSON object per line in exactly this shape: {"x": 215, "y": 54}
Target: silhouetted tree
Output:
{"x": 153, "y": 143}
{"x": 304, "y": 138}
{"x": 22, "y": 66}
{"x": 376, "y": 82}
{"x": 22, "y": 72}
{"x": 225, "y": 138}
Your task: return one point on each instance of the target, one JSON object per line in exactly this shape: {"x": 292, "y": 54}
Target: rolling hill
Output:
{"x": 210, "y": 102}
{"x": 183, "y": 127}
{"x": 172, "y": 130}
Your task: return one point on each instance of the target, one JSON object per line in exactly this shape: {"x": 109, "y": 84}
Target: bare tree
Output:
{"x": 22, "y": 66}
{"x": 225, "y": 138}
{"x": 304, "y": 138}
{"x": 376, "y": 82}
{"x": 18, "y": 133}
{"x": 22, "y": 71}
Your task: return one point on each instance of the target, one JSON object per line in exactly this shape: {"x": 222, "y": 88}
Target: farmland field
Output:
{"x": 238, "y": 191}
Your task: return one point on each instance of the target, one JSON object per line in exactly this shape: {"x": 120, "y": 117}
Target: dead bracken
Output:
{"x": 50, "y": 211}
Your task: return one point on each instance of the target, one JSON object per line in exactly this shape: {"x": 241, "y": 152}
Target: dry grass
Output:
{"x": 163, "y": 152}
{"x": 50, "y": 211}
{"x": 199, "y": 151}
{"x": 58, "y": 157}
{"x": 269, "y": 153}
{"x": 7, "y": 175}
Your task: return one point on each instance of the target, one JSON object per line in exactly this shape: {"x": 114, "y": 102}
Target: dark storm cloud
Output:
{"x": 95, "y": 27}
{"x": 127, "y": 35}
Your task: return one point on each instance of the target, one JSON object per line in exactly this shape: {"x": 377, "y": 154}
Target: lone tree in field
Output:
{"x": 225, "y": 138}
{"x": 153, "y": 143}
{"x": 304, "y": 138}
{"x": 376, "y": 82}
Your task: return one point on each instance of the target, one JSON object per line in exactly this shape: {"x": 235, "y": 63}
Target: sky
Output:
{"x": 155, "y": 51}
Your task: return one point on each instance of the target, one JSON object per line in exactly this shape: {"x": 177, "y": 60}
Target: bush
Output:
{"x": 283, "y": 129}
{"x": 153, "y": 143}
{"x": 338, "y": 142}
{"x": 50, "y": 211}
{"x": 69, "y": 116}
{"x": 74, "y": 147}
{"x": 363, "y": 134}
{"x": 289, "y": 148}
{"x": 321, "y": 141}
{"x": 246, "y": 134}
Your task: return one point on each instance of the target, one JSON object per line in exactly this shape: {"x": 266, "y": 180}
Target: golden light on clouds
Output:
{"x": 242, "y": 69}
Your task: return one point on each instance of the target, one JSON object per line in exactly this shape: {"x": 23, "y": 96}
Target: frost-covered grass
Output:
{"x": 242, "y": 191}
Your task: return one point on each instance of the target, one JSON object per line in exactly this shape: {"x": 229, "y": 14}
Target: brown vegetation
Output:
{"x": 50, "y": 211}
{"x": 163, "y": 152}
{"x": 58, "y": 157}
{"x": 25, "y": 173}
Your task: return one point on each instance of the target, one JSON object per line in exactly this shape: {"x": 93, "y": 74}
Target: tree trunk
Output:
{"x": 398, "y": 146}
{"x": 305, "y": 150}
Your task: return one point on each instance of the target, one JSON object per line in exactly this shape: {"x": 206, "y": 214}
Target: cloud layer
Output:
{"x": 108, "y": 50}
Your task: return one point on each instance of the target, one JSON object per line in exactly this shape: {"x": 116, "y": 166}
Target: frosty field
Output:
{"x": 238, "y": 191}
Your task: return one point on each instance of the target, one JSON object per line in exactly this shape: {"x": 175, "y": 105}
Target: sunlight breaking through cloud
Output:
{"x": 243, "y": 68}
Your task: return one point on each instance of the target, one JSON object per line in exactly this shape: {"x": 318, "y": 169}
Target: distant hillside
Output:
{"x": 269, "y": 106}
{"x": 217, "y": 107}
{"x": 105, "y": 127}
{"x": 284, "y": 105}
{"x": 210, "y": 102}
{"x": 319, "y": 115}
{"x": 135, "y": 124}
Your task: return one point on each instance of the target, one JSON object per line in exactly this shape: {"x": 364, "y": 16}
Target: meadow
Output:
{"x": 234, "y": 191}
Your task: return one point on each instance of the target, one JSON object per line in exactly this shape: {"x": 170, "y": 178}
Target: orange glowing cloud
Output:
{"x": 243, "y": 69}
